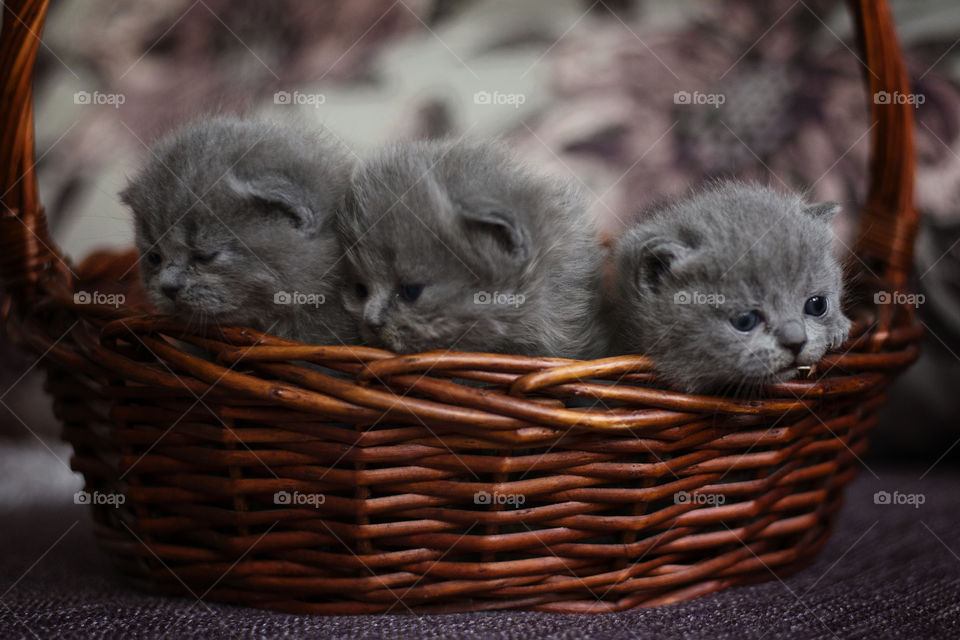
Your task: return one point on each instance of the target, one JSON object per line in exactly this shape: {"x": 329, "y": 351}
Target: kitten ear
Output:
{"x": 655, "y": 256}
{"x": 276, "y": 194}
{"x": 134, "y": 195}
{"x": 496, "y": 227}
{"x": 823, "y": 210}
{"x": 126, "y": 195}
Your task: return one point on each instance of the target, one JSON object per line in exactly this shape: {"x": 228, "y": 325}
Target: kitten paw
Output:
{"x": 837, "y": 338}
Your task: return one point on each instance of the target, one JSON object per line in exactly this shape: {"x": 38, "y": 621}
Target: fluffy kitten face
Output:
{"x": 732, "y": 288}
{"x": 445, "y": 251}
{"x": 201, "y": 269}
{"x": 228, "y": 213}
{"x": 417, "y": 258}
{"x": 408, "y": 303}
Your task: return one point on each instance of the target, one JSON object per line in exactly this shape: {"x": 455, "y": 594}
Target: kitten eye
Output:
{"x": 205, "y": 258}
{"x": 361, "y": 290}
{"x": 745, "y": 322}
{"x": 815, "y": 306}
{"x": 154, "y": 258}
{"x": 410, "y": 292}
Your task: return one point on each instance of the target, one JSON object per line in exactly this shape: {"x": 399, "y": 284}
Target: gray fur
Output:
{"x": 464, "y": 219}
{"x": 263, "y": 225}
{"x": 761, "y": 250}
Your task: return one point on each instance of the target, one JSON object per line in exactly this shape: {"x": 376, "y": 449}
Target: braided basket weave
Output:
{"x": 440, "y": 481}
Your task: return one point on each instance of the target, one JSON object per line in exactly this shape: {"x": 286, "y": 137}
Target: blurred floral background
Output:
{"x": 634, "y": 100}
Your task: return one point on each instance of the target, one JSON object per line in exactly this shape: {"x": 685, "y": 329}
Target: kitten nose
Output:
{"x": 170, "y": 290}
{"x": 792, "y": 336}
{"x": 373, "y": 316}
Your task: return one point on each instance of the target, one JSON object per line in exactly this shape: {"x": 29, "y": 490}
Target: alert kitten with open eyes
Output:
{"x": 730, "y": 288}
{"x": 457, "y": 246}
{"x": 234, "y": 223}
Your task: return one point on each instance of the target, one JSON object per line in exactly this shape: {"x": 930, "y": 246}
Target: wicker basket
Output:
{"x": 407, "y": 489}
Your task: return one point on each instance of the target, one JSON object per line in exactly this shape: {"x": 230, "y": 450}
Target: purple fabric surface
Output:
{"x": 889, "y": 571}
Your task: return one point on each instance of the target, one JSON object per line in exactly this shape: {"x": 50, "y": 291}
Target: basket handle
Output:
{"x": 30, "y": 263}
{"x": 888, "y": 224}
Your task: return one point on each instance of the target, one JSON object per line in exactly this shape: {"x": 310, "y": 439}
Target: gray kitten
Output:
{"x": 234, "y": 224}
{"x": 456, "y": 246}
{"x": 730, "y": 288}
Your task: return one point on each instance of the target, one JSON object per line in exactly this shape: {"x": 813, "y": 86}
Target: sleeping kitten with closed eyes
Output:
{"x": 457, "y": 246}
{"x": 730, "y": 288}
{"x": 234, "y": 223}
